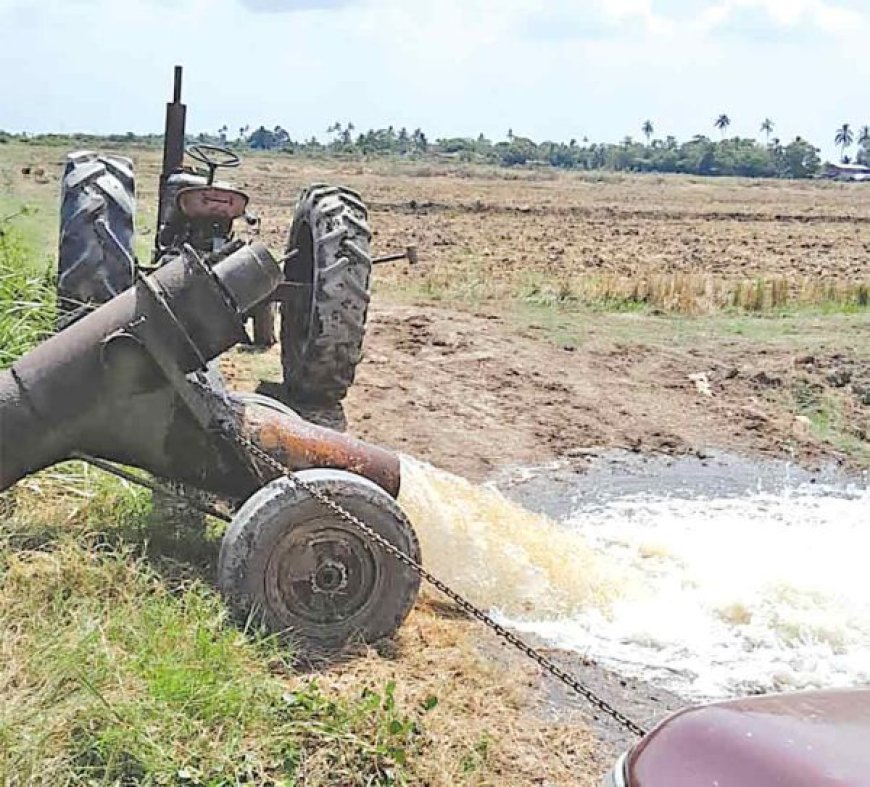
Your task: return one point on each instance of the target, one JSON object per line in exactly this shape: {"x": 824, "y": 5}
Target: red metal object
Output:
{"x": 204, "y": 202}
{"x": 805, "y": 739}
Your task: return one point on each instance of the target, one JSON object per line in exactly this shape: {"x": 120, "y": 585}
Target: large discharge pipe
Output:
{"x": 126, "y": 384}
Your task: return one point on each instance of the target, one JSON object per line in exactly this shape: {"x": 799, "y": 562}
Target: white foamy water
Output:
{"x": 708, "y": 596}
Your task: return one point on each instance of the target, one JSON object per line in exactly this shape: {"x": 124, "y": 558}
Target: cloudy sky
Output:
{"x": 547, "y": 69}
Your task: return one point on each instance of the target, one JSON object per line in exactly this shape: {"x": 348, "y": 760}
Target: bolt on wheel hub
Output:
{"x": 330, "y": 577}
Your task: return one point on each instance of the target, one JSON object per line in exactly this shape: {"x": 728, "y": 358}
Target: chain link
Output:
{"x": 542, "y": 660}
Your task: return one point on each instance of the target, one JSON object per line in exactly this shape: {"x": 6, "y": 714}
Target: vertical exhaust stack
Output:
{"x": 173, "y": 143}
{"x": 173, "y": 135}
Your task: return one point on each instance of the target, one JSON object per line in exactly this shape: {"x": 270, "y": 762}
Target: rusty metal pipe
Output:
{"x": 300, "y": 445}
{"x": 103, "y": 387}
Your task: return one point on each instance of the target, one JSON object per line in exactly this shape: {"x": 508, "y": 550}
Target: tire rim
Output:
{"x": 321, "y": 576}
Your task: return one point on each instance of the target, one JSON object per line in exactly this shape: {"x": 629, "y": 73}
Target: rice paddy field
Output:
{"x": 552, "y": 317}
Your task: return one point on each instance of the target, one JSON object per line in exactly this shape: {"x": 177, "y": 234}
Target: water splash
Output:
{"x": 767, "y": 591}
{"x": 708, "y": 595}
{"x": 499, "y": 554}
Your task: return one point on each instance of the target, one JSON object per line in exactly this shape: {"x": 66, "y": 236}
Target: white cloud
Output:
{"x": 829, "y": 17}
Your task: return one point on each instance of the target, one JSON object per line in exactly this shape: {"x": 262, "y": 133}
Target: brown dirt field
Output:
{"x": 474, "y": 392}
{"x": 511, "y": 225}
{"x": 621, "y": 225}
{"x": 463, "y": 371}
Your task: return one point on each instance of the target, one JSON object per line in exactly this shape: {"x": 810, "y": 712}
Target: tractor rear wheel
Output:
{"x": 98, "y": 206}
{"x": 323, "y": 317}
{"x": 310, "y": 576}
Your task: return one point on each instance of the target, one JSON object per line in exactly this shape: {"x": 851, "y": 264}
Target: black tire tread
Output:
{"x": 321, "y": 366}
{"x": 91, "y": 269}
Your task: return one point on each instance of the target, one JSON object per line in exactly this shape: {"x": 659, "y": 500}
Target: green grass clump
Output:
{"x": 115, "y": 669}
{"x": 26, "y": 298}
{"x": 829, "y": 419}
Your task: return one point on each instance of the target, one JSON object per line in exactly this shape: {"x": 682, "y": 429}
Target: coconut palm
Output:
{"x": 863, "y": 156}
{"x": 648, "y": 130}
{"x": 767, "y": 129}
{"x": 844, "y": 138}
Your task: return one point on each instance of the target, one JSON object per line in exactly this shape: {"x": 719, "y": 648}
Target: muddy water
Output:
{"x": 501, "y": 555}
{"x": 710, "y": 578}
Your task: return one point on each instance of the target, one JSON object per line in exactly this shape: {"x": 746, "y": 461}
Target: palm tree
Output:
{"x": 648, "y": 130}
{"x": 722, "y": 123}
{"x": 844, "y": 139}
{"x": 767, "y": 129}
{"x": 864, "y": 144}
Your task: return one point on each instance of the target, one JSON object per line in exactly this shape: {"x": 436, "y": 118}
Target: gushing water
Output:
{"x": 499, "y": 554}
{"x": 708, "y": 595}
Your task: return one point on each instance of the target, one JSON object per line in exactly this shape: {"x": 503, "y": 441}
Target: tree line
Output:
{"x": 699, "y": 155}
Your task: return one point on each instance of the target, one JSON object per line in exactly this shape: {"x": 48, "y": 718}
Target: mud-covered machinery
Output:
{"x": 325, "y": 293}
{"x": 130, "y": 382}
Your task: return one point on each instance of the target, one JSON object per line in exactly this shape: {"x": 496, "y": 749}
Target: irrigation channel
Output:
{"x": 708, "y": 578}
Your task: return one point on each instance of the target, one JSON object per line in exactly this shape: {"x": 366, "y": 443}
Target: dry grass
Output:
{"x": 474, "y": 280}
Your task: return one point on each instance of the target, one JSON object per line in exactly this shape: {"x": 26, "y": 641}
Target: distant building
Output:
{"x": 847, "y": 172}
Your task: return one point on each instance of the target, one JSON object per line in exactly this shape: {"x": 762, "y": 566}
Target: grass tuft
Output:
{"x": 26, "y": 298}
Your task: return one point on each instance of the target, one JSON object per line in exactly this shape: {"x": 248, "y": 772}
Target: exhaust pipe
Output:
{"x": 128, "y": 383}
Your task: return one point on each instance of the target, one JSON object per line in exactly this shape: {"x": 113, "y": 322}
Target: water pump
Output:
{"x": 132, "y": 382}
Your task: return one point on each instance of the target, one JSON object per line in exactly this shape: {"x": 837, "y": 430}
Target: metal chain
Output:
{"x": 543, "y": 661}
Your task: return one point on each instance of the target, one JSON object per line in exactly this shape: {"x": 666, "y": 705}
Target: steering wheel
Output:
{"x": 213, "y": 156}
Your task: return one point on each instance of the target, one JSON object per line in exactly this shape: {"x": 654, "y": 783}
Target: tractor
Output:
{"x": 317, "y": 549}
{"x": 328, "y": 263}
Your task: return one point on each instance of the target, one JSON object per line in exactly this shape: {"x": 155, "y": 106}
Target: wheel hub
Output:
{"x": 322, "y": 575}
{"x": 329, "y": 577}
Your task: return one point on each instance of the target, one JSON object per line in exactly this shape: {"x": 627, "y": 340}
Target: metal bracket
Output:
{"x": 168, "y": 365}
{"x": 196, "y": 403}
